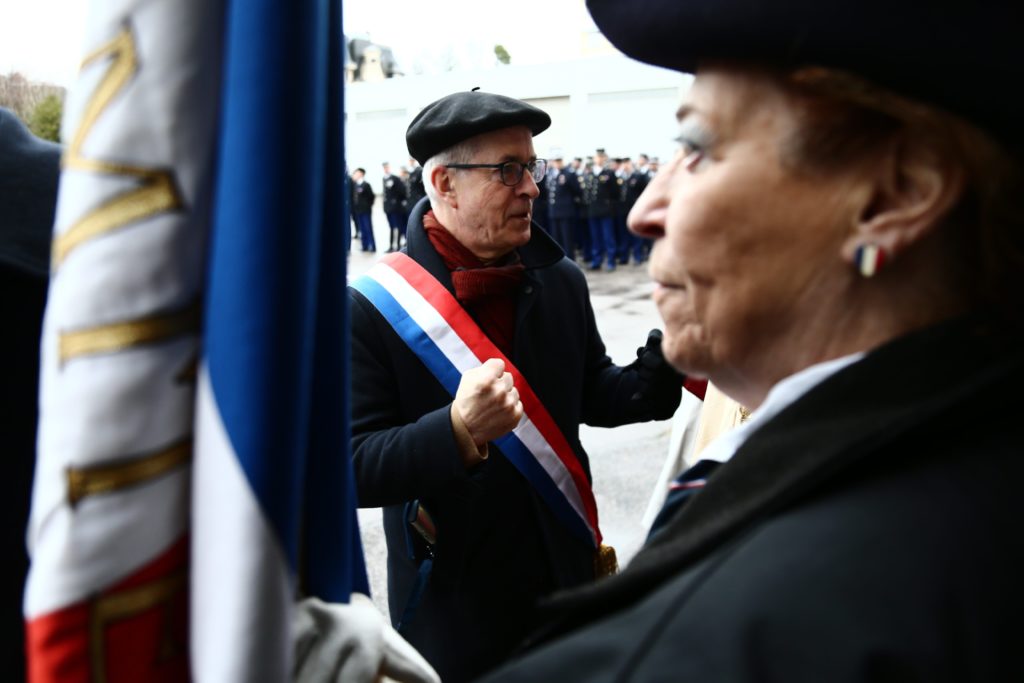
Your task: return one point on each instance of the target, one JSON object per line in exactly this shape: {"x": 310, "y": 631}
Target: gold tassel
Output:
{"x": 605, "y": 562}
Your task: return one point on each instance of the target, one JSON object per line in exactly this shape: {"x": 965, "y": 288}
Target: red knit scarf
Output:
{"x": 487, "y": 292}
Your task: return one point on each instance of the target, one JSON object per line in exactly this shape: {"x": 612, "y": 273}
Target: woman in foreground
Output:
{"x": 840, "y": 248}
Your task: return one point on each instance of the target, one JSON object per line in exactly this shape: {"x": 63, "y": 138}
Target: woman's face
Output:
{"x": 747, "y": 262}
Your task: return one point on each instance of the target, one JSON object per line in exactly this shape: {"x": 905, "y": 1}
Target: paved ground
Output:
{"x": 625, "y": 461}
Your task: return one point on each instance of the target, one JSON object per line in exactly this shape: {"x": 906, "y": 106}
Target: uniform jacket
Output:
{"x": 601, "y": 193}
{"x": 632, "y": 188}
{"x": 563, "y": 194}
{"x": 362, "y": 197}
{"x": 394, "y": 194}
{"x": 869, "y": 532}
{"x": 499, "y": 548}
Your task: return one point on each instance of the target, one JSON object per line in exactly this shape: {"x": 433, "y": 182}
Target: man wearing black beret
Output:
{"x": 475, "y": 359}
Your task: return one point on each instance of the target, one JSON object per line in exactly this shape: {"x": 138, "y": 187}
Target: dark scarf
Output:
{"x": 487, "y": 292}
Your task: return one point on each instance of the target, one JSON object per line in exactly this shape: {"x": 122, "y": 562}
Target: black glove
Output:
{"x": 661, "y": 384}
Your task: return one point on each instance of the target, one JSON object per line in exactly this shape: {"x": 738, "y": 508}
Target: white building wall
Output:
{"x": 607, "y": 101}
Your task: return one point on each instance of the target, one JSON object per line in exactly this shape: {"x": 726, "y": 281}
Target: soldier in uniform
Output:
{"x": 582, "y": 225}
{"x": 634, "y": 183}
{"x": 601, "y": 191}
{"x": 362, "y": 209}
{"x": 563, "y": 195}
{"x": 623, "y": 238}
{"x": 394, "y": 207}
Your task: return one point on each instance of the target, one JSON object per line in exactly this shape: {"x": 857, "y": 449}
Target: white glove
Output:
{"x": 352, "y": 643}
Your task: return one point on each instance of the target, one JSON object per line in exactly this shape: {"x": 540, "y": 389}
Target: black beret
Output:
{"x": 965, "y": 56}
{"x": 460, "y": 116}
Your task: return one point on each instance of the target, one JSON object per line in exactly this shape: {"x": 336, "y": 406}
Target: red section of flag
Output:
{"x": 137, "y": 630}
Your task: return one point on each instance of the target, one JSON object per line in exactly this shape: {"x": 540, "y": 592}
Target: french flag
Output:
{"x": 271, "y": 417}
{"x": 193, "y": 386}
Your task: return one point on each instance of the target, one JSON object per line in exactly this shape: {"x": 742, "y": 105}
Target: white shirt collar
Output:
{"x": 784, "y": 393}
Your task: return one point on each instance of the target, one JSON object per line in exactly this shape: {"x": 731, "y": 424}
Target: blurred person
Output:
{"x": 362, "y": 209}
{"x": 839, "y": 247}
{"x": 643, "y": 163}
{"x": 394, "y": 207}
{"x": 563, "y": 195}
{"x": 601, "y": 195}
{"x": 634, "y": 182}
{"x": 414, "y": 186}
{"x": 475, "y": 359}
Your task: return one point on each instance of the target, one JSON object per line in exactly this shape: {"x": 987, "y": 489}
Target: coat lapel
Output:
{"x": 838, "y": 426}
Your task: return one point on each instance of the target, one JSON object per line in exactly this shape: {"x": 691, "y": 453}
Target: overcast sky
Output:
{"x": 43, "y": 38}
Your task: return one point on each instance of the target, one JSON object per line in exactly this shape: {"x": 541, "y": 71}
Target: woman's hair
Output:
{"x": 845, "y": 119}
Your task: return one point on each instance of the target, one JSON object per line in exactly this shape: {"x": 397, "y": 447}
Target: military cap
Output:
{"x": 965, "y": 56}
{"x": 460, "y": 116}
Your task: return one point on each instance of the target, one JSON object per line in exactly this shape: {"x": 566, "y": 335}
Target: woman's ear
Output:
{"x": 911, "y": 190}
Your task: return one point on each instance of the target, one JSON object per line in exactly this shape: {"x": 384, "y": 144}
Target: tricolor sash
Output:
{"x": 449, "y": 342}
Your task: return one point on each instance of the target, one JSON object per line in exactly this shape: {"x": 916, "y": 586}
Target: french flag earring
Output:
{"x": 869, "y": 259}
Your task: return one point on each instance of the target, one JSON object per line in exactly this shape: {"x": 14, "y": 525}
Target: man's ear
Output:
{"x": 443, "y": 181}
{"x": 911, "y": 190}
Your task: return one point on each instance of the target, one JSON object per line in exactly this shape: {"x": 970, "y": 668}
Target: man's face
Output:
{"x": 357, "y": 176}
{"x": 492, "y": 219}
{"x": 387, "y": 169}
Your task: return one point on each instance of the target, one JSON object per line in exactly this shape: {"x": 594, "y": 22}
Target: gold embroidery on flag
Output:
{"x": 119, "y": 336}
{"x": 109, "y": 477}
{"x": 129, "y": 603}
{"x": 157, "y": 191}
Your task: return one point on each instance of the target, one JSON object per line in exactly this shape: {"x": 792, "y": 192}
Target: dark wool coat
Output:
{"x": 499, "y": 548}
{"x": 29, "y": 173}
{"x": 869, "y": 532}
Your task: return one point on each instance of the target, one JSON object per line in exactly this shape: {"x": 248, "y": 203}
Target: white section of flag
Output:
{"x": 232, "y": 545}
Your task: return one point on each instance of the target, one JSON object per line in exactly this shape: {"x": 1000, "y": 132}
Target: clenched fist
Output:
{"x": 488, "y": 402}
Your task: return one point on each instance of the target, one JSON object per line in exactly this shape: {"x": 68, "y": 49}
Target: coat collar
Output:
{"x": 840, "y": 424}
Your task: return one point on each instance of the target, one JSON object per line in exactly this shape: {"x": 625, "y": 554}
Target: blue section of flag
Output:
{"x": 275, "y": 312}
{"x": 449, "y": 376}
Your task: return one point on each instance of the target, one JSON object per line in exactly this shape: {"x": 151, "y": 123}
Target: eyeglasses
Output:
{"x": 512, "y": 171}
